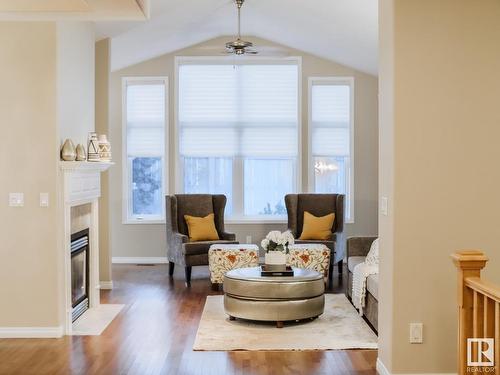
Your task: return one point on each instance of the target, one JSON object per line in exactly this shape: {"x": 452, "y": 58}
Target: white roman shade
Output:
{"x": 228, "y": 110}
{"x": 145, "y": 111}
{"x": 331, "y": 118}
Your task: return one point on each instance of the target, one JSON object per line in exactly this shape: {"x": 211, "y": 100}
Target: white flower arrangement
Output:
{"x": 277, "y": 241}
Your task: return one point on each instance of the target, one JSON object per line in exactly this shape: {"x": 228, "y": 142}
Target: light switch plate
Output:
{"x": 384, "y": 206}
{"x": 16, "y": 199}
{"x": 249, "y": 239}
{"x": 416, "y": 333}
{"x": 44, "y": 199}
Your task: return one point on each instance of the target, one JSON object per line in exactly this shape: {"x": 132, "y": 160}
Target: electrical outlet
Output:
{"x": 416, "y": 333}
{"x": 249, "y": 239}
{"x": 16, "y": 199}
{"x": 44, "y": 199}
{"x": 384, "y": 206}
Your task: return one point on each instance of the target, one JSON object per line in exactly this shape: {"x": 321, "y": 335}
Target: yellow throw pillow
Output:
{"x": 201, "y": 228}
{"x": 317, "y": 228}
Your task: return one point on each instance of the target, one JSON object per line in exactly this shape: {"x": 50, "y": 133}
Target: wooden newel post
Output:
{"x": 469, "y": 264}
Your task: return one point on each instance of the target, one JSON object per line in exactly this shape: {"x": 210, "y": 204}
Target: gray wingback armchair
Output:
{"x": 180, "y": 250}
{"x": 319, "y": 205}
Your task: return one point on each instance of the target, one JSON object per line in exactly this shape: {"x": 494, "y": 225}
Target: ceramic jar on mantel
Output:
{"x": 104, "y": 148}
{"x": 93, "y": 148}
{"x": 68, "y": 151}
{"x": 80, "y": 153}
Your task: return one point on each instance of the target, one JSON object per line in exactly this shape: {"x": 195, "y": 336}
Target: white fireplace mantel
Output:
{"x": 81, "y": 184}
{"x": 100, "y": 166}
{"x": 82, "y": 180}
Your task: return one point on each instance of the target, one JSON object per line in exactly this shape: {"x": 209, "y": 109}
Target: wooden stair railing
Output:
{"x": 478, "y": 311}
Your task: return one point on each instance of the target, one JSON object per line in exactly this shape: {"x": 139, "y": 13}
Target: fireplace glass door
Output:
{"x": 79, "y": 273}
{"x": 78, "y": 277}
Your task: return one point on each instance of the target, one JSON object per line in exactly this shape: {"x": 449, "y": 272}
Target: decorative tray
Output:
{"x": 266, "y": 270}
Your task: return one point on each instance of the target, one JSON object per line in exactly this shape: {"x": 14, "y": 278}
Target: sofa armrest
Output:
{"x": 228, "y": 236}
{"x": 359, "y": 246}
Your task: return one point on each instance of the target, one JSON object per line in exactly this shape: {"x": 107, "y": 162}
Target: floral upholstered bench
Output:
{"x": 311, "y": 256}
{"x": 227, "y": 257}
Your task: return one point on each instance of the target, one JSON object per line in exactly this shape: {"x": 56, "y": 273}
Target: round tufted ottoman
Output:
{"x": 247, "y": 295}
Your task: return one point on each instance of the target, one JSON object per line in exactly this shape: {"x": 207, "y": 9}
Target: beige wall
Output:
{"x": 439, "y": 168}
{"x": 75, "y": 80}
{"x": 386, "y": 177}
{"x": 46, "y": 95}
{"x": 28, "y": 164}
{"x": 102, "y": 51}
{"x": 149, "y": 240}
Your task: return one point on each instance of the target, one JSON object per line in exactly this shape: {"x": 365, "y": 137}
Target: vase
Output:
{"x": 68, "y": 152}
{"x": 275, "y": 260}
{"x": 80, "y": 153}
{"x": 104, "y": 148}
{"x": 93, "y": 148}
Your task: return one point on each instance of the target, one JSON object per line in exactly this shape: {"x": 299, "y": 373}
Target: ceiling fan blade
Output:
{"x": 209, "y": 48}
{"x": 251, "y": 52}
{"x": 271, "y": 49}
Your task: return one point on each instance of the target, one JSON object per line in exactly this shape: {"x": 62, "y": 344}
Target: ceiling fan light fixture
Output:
{"x": 239, "y": 46}
{"x": 239, "y": 43}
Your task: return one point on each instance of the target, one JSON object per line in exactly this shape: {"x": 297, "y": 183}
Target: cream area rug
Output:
{"x": 340, "y": 327}
{"x": 95, "y": 320}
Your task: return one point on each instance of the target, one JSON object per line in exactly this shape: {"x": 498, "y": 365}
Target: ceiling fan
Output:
{"x": 240, "y": 46}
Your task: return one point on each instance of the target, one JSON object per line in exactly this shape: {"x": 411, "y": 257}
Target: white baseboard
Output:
{"x": 382, "y": 370}
{"x": 140, "y": 260}
{"x": 106, "y": 284}
{"x": 30, "y": 332}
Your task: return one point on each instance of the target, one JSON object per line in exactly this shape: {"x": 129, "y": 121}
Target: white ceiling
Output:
{"x": 344, "y": 31}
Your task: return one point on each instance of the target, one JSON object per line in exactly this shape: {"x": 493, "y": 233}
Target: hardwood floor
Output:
{"x": 155, "y": 332}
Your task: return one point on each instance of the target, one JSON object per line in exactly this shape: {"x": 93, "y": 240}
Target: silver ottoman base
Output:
{"x": 248, "y": 295}
{"x": 274, "y": 310}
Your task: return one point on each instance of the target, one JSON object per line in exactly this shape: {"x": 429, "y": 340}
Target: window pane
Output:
{"x": 209, "y": 176}
{"x": 267, "y": 181}
{"x": 147, "y": 195}
{"x": 232, "y": 110}
{"x": 331, "y": 123}
{"x": 331, "y": 104}
{"x": 146, "y": 104}
{"x": 145, "y": 119}
{"x": 238, "y": 125}
{"x": 332, "y": 175}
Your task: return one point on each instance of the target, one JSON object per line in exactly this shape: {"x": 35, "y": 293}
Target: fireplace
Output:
{"x": 80, "y": 252}
{"x": 81, "y": 189}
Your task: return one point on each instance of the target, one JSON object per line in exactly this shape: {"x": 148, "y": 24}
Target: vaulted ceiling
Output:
{"x": 344, "y": 31}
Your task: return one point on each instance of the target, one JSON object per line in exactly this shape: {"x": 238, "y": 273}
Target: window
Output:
{"x": 144, "y": 149}
{"x": 331, "y": 128}
{"x": 267, "y": 181}
{"x": 238, "y": 132}
{"x": 214, "y": 175}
